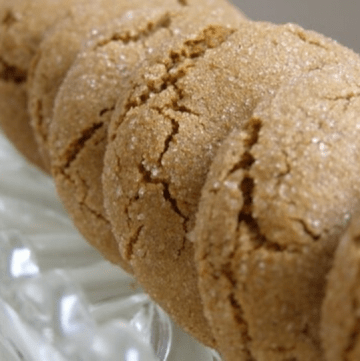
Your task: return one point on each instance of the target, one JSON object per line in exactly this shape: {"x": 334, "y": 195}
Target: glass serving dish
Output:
{"x": 59, "y": 300}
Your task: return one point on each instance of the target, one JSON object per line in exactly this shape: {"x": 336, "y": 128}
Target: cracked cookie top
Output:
{"x": 102, "y": 72}
{"x": 277, "y": 198}
{"x": 164, "y": 134}
{"x": 340, "y": 326}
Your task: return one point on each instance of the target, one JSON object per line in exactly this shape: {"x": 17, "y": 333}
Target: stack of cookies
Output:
{"x": 212, "y": 157}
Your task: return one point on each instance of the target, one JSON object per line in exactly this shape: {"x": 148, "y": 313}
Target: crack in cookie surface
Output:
{"x": 9, "y": 73}
{"x": 247, "y": 188}
{"x": 106, "y": 110}
{"x": 240, "y": 318}
{"x": 238, "y": 313}
{"x": 74, "y": 152}
{"x": 148, "y": 178}
{"x": 132, "y": 242}
{"x": 78, "y": 144}
{"x": 9, "y": 18}
{"x": 210, "y": 38}
{"x": 150, "y": 29}
{"x": 170, "y": 138}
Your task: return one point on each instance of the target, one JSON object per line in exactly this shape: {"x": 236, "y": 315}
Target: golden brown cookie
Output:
{"x": 164, "y": 134}
{"x": 22, "y": 26}
{"x": 340, "y": 326}
{"x": 277, "y": 198}
{"x": 87, "y": 98}
{"x": 83, "y": 108}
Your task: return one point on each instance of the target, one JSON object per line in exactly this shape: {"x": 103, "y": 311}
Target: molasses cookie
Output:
{"x": 164, "y": 134}
{"x": 340, "y": 326}
{"x": 277, "y": 198}
{"x": 85, "y": 102}
{"x": 22, "y": 26}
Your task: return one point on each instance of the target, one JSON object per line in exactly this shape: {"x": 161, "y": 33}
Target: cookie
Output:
{"x": 164, "y": 135}
{"x": 83, "y": 108}
{"x": 86, "y": 100}
{"x": 277, "y": 198}
{"x": 22, "y": 25}
{"x": 341, "y": 307}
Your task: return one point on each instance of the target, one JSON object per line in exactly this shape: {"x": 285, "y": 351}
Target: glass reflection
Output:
{"x": 132, "y": 355}
{"x": 17, "y": 260}
{"x": 21, "y": 263}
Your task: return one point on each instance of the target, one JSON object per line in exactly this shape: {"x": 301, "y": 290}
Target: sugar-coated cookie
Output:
{"x": 87, "y": 98}
{"x": 164, "y": 134}
{"x": 340, "y": 326}
{"x": 83, "y": 107}
{"x": 277, "y": 198}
